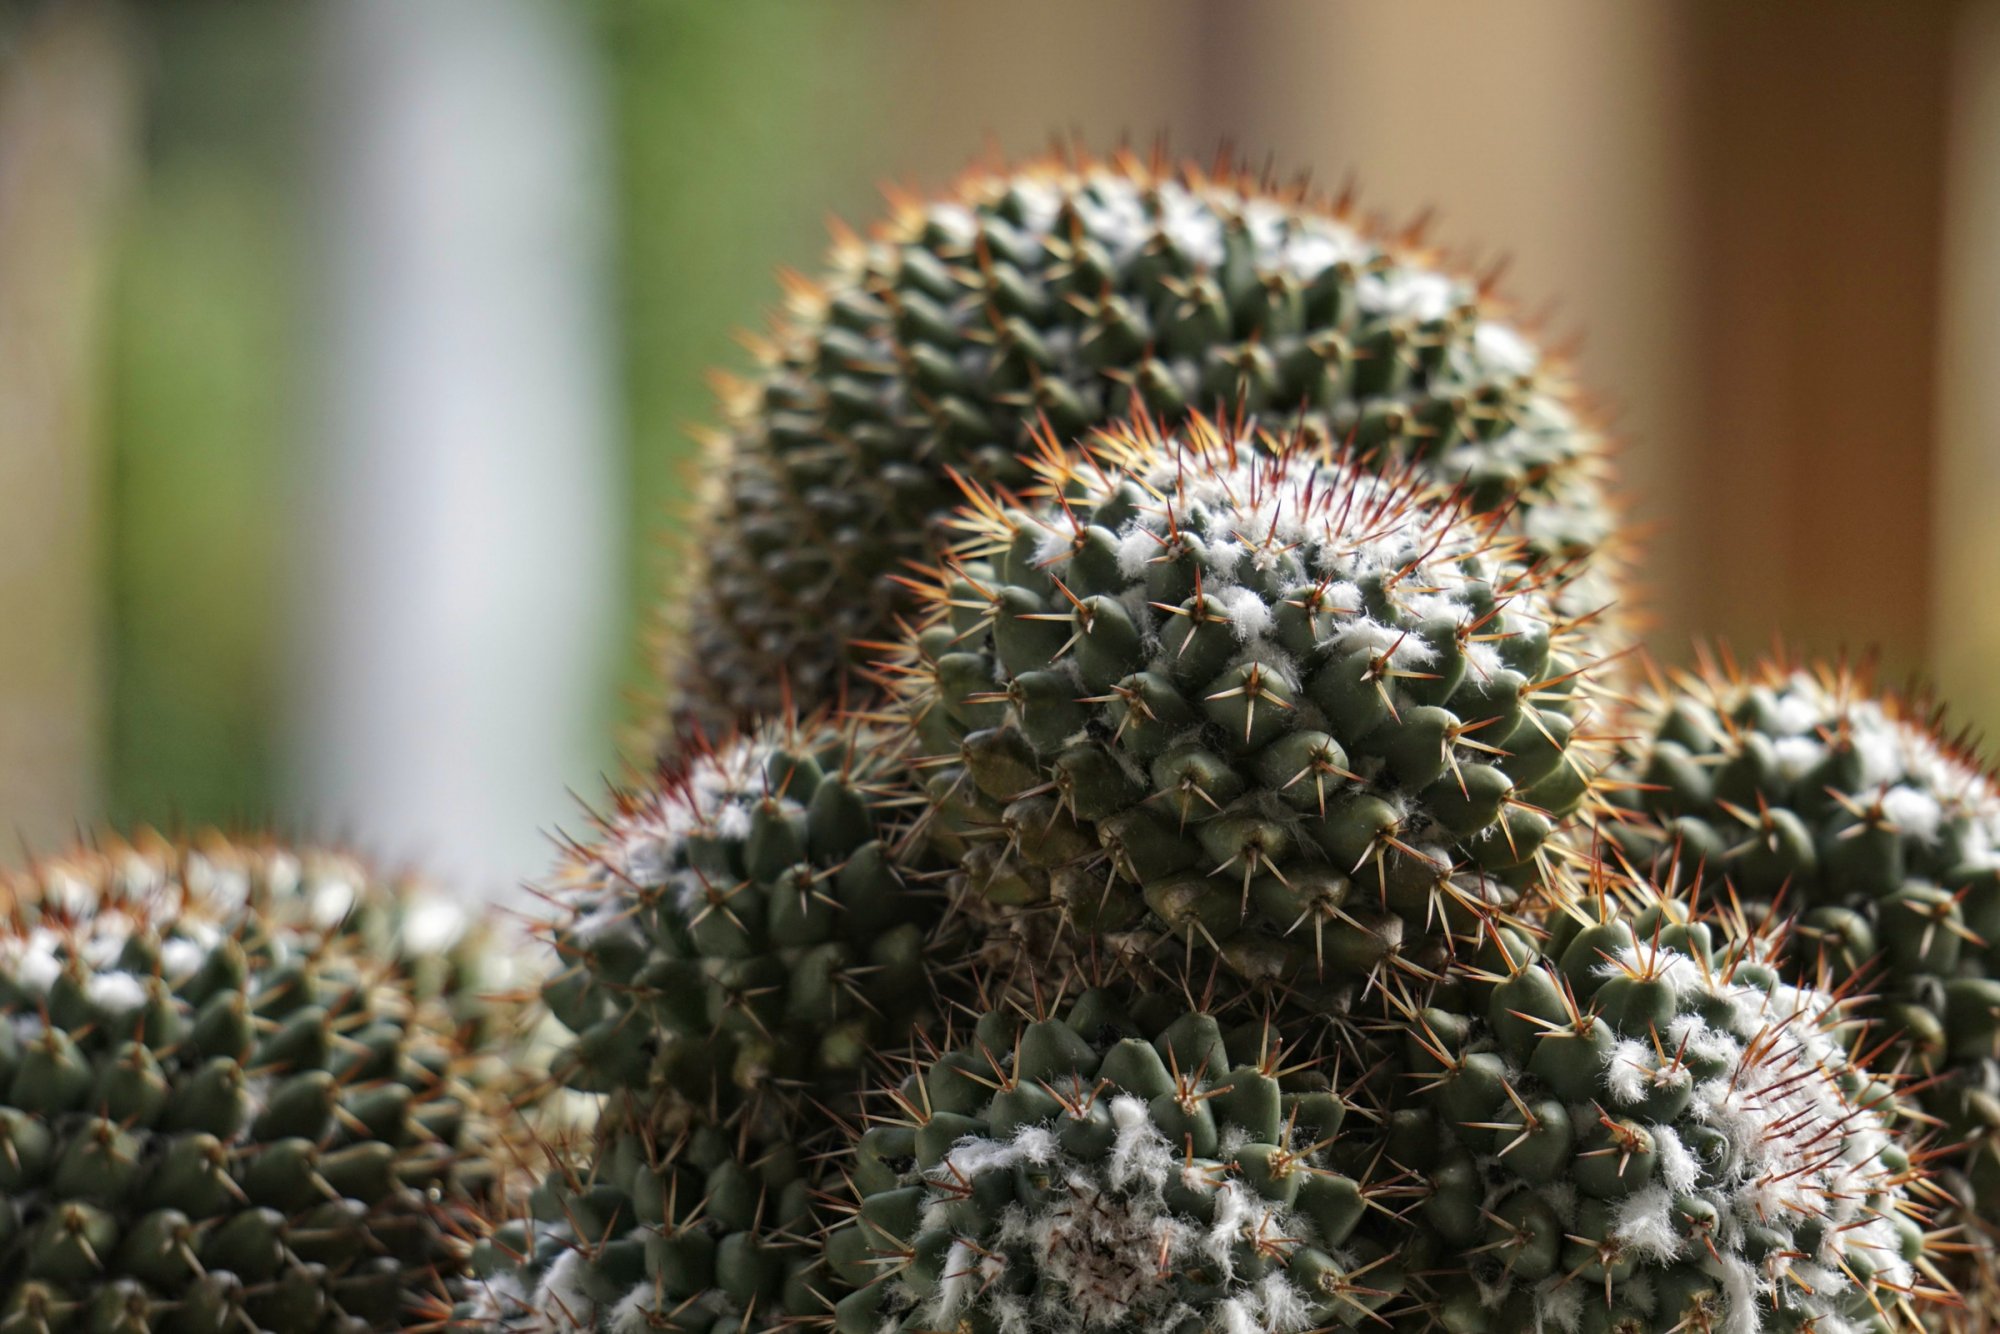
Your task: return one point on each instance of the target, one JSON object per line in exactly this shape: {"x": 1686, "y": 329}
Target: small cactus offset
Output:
{"x": 1074, "y": 293}
{"x": 744, "y": 929}
{"x": 738, "y": 941}
{"x": 227, "y": 1100}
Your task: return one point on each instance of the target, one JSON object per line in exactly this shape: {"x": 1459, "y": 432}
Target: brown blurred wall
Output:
{"x": 1736, "y": 211}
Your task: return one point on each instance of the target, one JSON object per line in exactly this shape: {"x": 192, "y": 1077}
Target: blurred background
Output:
{"x": 347, "y": 349}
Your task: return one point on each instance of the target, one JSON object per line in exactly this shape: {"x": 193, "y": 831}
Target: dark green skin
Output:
{"x": 1918, "y": 916}
{"x": 939, "y": 351}
{"x": 249, "y": 1149}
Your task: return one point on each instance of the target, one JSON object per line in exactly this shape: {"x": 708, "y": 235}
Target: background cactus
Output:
{"x": 1647, "y": 1133}
{"x": 1076, "y": 292}
{"x": 1254, "y": 700}
{"x": 226, "y": 1105}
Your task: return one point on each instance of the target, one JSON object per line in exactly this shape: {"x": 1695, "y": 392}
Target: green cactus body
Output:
{"x": 738, "y": 941}
{"x": 1878, "y": 842}
{"x": 741, "y": 930}
{"x": 1077, "y": 294}
{"x": 1248, "y": 699}
{"x": 690, "y": 1234}
{"x": 221, "y": 1109}
{"x": 1098, "y": 1172}
{"x": 1641, "y": 1134}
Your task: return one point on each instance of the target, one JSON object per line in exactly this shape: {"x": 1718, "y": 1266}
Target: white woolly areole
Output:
{"x": 1799, "y": 1148}
{"x": 1106, "y": 1246}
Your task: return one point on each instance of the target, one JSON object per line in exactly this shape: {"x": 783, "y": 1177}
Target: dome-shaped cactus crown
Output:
{"x": 1246, "y": 696}
{"x": 1817, "y": 797}
{"x": 1075, "y": 292}
{"x": 233, "y": 1091}
{"x": 740, "y": 935}
{"x": 1123, "y": 1160}
{"x": 744, "y": 924}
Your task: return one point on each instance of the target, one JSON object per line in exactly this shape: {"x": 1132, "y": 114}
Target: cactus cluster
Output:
{"x": 1147, "y": 840}
{"x": 1076, "y": 293}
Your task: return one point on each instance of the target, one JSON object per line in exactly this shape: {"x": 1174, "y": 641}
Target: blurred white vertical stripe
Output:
{"x": 456, "y": 619}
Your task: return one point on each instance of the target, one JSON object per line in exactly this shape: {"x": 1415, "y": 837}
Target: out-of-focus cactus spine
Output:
{"x": 225, "y": 1104}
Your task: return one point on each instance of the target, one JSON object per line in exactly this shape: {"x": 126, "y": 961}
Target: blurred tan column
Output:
{"x": 1965, "y": 602}
{"x": 66, "y": 133}
{"x": 1820, "y": 133}
{"x": 1544, "y": 133}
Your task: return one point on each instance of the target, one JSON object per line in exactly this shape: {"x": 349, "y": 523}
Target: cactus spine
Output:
{"x": 1077, "y": 293}
{"x": 225, "y": 1107}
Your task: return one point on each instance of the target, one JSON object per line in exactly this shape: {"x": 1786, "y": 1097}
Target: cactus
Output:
{"x": 1075, "y": 293}
{"x": 737, "y": 941}
{"x": 742, "y": 928}
{"x": 1254, "y": 699}
{"x": 687, "y": 1232}
{"x": 1106, "y": 1171}
{"x": 1844, "y": 812}
{"x": 1644, "y": 1132}
{"x": 222, "y": 1105}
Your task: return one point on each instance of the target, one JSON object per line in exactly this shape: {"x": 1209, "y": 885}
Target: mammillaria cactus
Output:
{"x": 1073, "y": 293}
{"x": 224, "y": 1109}
{"x": 1251, "y": 698}
{"x": 685, "y": 1231}
{"x": 738, "y": 941}
{"x": 1648, "y": 1134}
{"x": 742, "y": 928}
{"x": 1097, "y": 1172}
{"x": 1825, "y": 803}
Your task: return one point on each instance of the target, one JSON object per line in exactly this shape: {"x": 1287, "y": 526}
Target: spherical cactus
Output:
{"x": 1640, "y": 1131}
{"x": 741, "y": 930}
{"x": 1814, "y": 798}
{"x": 688, "y": 1232}
{"x": 1250, "y": 699}
{"x": 1074, "y": 293}
{"x": 1106, "y": 1171}
{"x": 223, "y": 1105}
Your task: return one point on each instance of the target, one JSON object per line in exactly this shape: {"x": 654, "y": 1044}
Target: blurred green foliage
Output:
{"x": 716, "y": 185}
{"x": 202, "y": 412}
{"x": 712, "y": 185}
